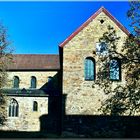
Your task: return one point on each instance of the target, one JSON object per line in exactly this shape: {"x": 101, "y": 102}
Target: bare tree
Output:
{"x": 5, "y": 59}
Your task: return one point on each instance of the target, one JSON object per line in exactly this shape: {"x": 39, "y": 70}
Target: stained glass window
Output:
{"x": 115, "y": 69}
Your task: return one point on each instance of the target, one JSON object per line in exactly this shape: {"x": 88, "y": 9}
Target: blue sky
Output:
{"x": 39, "y": 27}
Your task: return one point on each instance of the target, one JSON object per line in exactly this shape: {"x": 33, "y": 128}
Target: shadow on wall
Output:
{"x": 77, "y": 126}
{"x": 20, "y": 134}
{"x": 51, "y": 87}
{"x": 51, "y": 122}
{"x": 93, "y": 126}
{"x": 86, "y": 126}
{"x": 57, "y": 122}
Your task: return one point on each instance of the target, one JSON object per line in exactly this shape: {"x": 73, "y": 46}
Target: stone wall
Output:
{"x": 25, "y": 78}
{"x": 27, "y": 120}
{"x": 85, "y": 97}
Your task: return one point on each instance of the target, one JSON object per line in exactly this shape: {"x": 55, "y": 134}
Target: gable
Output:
{"x": 102, "y": 11}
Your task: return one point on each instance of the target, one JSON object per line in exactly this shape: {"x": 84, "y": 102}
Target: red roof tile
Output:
{"x": 102, "y": 9}
{"x": 34, "y": 62}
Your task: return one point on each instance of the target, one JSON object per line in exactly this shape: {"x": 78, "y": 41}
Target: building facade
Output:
{"x": 81, "y": 63}
{"x": 73, "y": 73}
{"x": 29, "y": 87}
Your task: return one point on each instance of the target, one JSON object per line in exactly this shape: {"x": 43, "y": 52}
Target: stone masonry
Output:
{"x": 28, "y": 120}
{"x": 85, "y": 97}
{"x": 25, "y": 78}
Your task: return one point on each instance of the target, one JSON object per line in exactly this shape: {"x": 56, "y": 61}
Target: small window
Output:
{"x": 35, "y": 106}
{"x": 101, "y": 48}
{"x": 33, "y": 82}
{"x": 16, "y": 82}
{"x": 13, "y": 108}
{"x": 115, "y": 69}
{"x": 49, "y": 79}
{"x": 89, "y": 68}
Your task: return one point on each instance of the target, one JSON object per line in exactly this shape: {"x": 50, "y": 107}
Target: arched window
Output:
{"x": 49, "y": 79}
{"x": 16, "y": 82}
{"x": 33, "y": 82}
{"x": 35, "y": 106}
{"x": 13, "y": 108}
{"x": 89, "y": 68}
{"x": 115, "y": 69}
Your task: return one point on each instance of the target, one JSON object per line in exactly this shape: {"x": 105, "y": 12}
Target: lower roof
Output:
{"x": 25, "y": 92}
{"x": 34, "y": 62}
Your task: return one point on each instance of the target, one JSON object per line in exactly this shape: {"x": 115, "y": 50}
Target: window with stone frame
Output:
{"x": 89, "y": 69}
{"x": 16, "y": 82}
{"x": 13, "y": 108}
{"x": 50, "y": 79}
{"x": 33, "y": 82}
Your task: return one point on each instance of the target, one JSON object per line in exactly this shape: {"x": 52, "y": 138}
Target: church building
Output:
{"x": 72, "y": 74}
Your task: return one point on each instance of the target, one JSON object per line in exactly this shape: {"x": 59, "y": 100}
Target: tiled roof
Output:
{"x": 102, "y": 9}
{"x": 34, "y": 62}
{"x": 25, "y": 92}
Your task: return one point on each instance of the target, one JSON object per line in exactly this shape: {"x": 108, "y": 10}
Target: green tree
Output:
{"x": 124, "y": 99}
